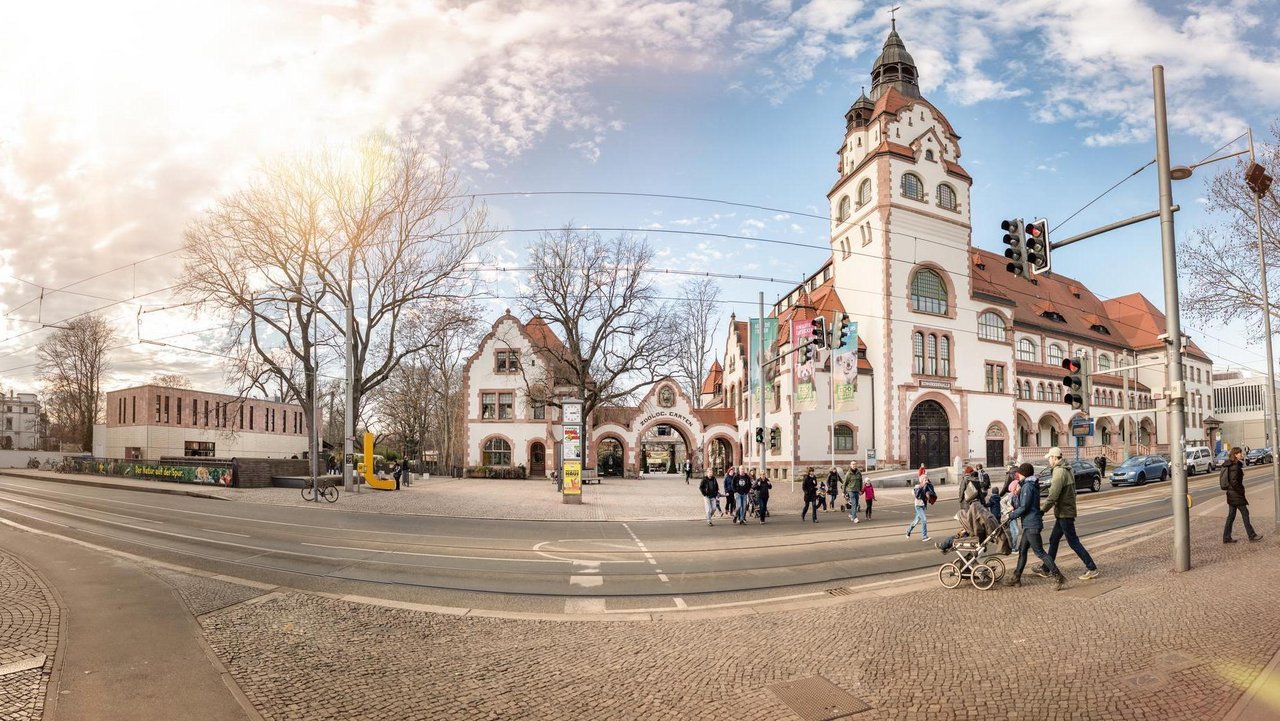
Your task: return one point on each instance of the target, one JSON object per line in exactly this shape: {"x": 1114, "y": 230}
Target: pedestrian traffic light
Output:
{"x": 775, "y": 438}
{"x": 1017, "y": 250}
{"x": 1257, "y": 179}
{"x": 759, "y": 434}
{"x": 820, "y": 332}
{"x": 1077, "y": 385}
{"x": 1037, "y": 244}
{"x": 842, "y": 337}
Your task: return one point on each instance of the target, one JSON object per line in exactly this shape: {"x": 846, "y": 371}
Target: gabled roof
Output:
{"x": 714, "y": 379}
{"x": 713, "y": 416}
{"x": 893, "y": 102}
{"x": 1142, "y": 324}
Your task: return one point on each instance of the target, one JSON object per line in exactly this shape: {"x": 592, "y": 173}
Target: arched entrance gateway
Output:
{"x": 930, "y": 435}
{"x": 609, "y": 457}
{"x": 663, "y": 449}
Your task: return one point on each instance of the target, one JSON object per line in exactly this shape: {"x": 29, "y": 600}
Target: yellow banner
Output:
{"x": 572, "y": 478}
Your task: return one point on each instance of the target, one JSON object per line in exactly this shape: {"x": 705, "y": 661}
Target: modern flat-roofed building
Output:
{"x": 150, "y": 422}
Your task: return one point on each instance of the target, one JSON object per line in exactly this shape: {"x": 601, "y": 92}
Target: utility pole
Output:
{"x": 764, "y": 447}
{"x": 349, "y": 428}
{"x": 1272, "y": 407}
{"x": 1175, "y": 390}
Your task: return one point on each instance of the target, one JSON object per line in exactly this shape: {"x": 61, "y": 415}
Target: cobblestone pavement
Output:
{"x": 1137, "y": 643}
{"x": 203, "y": 595}
{"x": 28, "y": 631}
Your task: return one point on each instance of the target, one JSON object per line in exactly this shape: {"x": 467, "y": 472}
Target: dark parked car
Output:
{"x": 1140, "y": 469}
{"x": 1258, "y": 456}
{"x": 1088, "y": 478}
{"x": 1220, "y": 460}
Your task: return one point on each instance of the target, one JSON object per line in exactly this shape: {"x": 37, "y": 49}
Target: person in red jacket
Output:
{"x": 868, "y": 497}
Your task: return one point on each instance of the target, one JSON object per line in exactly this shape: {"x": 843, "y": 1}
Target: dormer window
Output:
{"x": 928, "y": 155}
{"x": 1099, "y": 328}
{"x": 1053, "y": 315}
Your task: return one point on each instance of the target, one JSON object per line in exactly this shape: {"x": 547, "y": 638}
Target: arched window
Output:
{"x": 842, "y": 214}
{"x": 932, "y": 351}
{"x": 944, "y": 355}
{"x": 1055, "y": 354}
{"x": 1026, "y": 390}
{"x": 928, "y": 155}
{"x": 928, "y": 292}
{"x": 1104, "y": 362}
{"x": 946, "y": 196}
{"x": 864, "y": 192}
{"x": 1053, "y": 436}
{"x": 912, "y": 187}
{"x": 991, "y": 326}
{"x": 844, "y": 438}
{"x": 1040, "y": 392}
{"x": 1027, "y": 350}
{"x": 497, "y": 452}
{"x": 917, "y": 352}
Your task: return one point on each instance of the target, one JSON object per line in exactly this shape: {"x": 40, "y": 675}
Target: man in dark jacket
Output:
{"x": 729, "y": 507}
{"x": 1062, "y": 499}
{"x": 710, "y": 490}
{"x": 762, "y": 496}
{"x": 810, "y": 487}
{"x": 741, "y": 489}
{"x": 1232, "y": 481}
{"x": 1027, "y": 511}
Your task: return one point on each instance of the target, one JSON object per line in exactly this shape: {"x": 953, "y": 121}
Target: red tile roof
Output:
{"x": 713, "y": 416}
{"x": 1142, "y": 324}
{"x": 715, "y": 377}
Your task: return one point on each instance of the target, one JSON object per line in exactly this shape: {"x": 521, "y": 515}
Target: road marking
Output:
{"x": 574, "y": 606}
{"x": 537, "y": 548}
{"x": 431, "y": 555}
{"x": 586, "y": 581}
{"x": 648, "y": 556}
{"x": 663, "y": 577}
{"x": 228, "y": 533}
{"x": 680, "y": 602}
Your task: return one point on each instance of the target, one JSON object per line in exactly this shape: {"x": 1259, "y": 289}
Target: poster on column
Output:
{"x": 770, "y": 337}
{"x": 844, "y": 371}
{"x": 802, "y": 373}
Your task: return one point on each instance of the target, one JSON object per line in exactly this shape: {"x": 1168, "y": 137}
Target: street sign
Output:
{"x": 871, "y": 458}
{"x": 1081, "y": 427}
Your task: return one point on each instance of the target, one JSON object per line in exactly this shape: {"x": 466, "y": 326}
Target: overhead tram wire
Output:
{"x": 668, "y": 196}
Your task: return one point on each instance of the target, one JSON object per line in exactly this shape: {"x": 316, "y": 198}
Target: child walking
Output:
{"x": 868, "y": 496}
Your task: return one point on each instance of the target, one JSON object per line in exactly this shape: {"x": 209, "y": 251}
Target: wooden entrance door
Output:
{"x": 995, "y": 453}
{"x": 930, "y": 435}
{"x": 537, "y": 460}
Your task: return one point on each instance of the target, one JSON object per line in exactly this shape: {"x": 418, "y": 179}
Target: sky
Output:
{"x": 120, "y": 122}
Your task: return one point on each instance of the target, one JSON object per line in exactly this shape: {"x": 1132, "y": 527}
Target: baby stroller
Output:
{"x": 976, "y": 551}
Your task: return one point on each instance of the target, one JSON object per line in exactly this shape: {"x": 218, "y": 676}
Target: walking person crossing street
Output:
{"x": 853, "y": 490}
{"x": 810, "y": 488}
{"x": 710, "y": 491}
{"x": 921, "y": 494}
{"x": 1027, "y": 509}
{"x": 741, "y": 490}
{"x": 1062, "y": 499}
{"x": 1232, "y": 481}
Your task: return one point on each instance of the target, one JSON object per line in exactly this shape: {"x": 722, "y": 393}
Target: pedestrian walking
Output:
{"x": 993, "y": 505}
{"x": 853, "y": 490}
{"x": 730, "y": 475}
{"x": 968, "y": 480}
{"x": 868, "y": 496}
{"x": 688, "y": 470}
{"x": 1008, "y": 499}
{"x": 395, "y": 474}
{"x": 984, "y": 483}
{"x": 763, "y": 486}
{"x": 741, "y": 489}
{"x": 1231, "y": 480}
{"x": 1062, "y": 499}
{"x": 1027, "y": 509}
{"x": 833, "y": 488}
{"x": 710, "y": 491}
{"x": 810, "y": 487}
{"x": 921, "y": 495}
{"x": 1101, "y": 463}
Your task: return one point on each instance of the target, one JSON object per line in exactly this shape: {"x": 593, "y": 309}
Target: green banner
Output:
{"x": 806, "y": 396}
{"x": 153, "y": 470}
{"x": 770, "y": 337}
{"x": 844, "y": 369}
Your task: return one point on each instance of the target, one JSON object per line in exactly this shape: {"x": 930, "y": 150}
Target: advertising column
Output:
{"x": 571, "y": 451}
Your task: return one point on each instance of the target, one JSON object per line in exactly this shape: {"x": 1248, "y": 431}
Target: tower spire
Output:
{"x": 895, "y": 68}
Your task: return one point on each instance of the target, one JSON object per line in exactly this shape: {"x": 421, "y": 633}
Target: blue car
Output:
{"x": 1140, "y": 469}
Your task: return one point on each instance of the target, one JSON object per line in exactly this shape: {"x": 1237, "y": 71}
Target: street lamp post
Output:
{"x": 1175, "y": 393}
{"x": 313, "y": 444}
{"x": 1272, "y": 430}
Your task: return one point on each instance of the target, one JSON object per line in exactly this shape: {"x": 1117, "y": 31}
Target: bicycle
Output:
{"x": 328, "y": 492}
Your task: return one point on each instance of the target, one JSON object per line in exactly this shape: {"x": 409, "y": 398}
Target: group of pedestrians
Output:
{"x": 746, "y": 494}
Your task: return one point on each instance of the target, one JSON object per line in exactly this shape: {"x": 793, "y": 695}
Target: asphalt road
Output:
{"x": 529, "y": 565}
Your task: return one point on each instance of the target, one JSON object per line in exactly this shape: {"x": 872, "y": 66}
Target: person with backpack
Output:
{"x": 762, "y": 488}
{"x": 710, "y": 491}
{"x": 1027, "y": 509}
{"x": 729, "y": 507}
{"x": 810, "y": 488}
{"x": 853, "y": 490}
{"x": 741, "y": 491}
{"x": 868, "y": 495}
{"x": 921, "y": 492}
{"x": 1062, "y": 499}
{"x": 1231, "y": 480}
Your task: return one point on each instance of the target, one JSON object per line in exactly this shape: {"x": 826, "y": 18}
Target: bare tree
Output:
{"x": 170, "y": 380}
{"x": 696, "y": 319}
{"x": 1220, "y": 262}
{"x": 382, "y": 231}
{"x": 610, "y": 334}
{"x": 72, "y": 363}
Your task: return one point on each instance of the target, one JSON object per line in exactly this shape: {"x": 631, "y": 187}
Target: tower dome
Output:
{"x": 895, "y": 68}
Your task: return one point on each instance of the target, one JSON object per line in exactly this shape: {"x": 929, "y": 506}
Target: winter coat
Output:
{"x": 810, "y": 488}
{"x": 868, "y": 491}
{"x": 741, "y": 483}
{"x": 833, "y": 483}
{"x": 728, "y": 483}
{"x": 1062, "y": 493}
{"x": 993, "y": 504}
{"x": 1027, "y": 508}
{"x": 853, "y": 482}
{"x": 762, "y": 488}
{"x": 709, "y": 488}
{"x": 1235, "y": 485}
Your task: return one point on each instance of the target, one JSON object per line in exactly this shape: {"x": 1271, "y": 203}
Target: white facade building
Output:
{"x": 19, "y": 421}
{"x": 1240, "y": 406}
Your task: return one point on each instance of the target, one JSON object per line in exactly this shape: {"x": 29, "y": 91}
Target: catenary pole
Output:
{"x": 1273, "y": 408}
{"x": 764, "y": 447}
{"x": 349, "y": 427}
{"x": 1175, "y": 390}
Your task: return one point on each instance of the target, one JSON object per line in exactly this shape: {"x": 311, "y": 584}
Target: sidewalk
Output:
{"x": 29, "y": 618}
{"x": 130, "y": 648}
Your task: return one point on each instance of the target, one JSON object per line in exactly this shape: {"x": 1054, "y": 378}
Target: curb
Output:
{"x": 107, "y": 484}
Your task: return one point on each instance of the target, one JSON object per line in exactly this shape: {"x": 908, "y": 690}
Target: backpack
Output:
{"x": 930, "y": 495}
{"x": 1224, "y": 480}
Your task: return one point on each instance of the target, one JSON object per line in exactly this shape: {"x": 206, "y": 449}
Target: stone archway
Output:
{"x": 997, "y": 445}
{"x": 929, "y": 435}
{"x": 719, "y": 454}
{"x": 664, "y": 447}
{"x": 610, "y": 456}
{"x": 537, "y": 459}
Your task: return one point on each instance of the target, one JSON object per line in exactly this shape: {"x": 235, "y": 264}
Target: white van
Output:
{"x": 1199, "y": 460}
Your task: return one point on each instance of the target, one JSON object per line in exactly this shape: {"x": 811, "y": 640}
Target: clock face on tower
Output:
{"x": 666, "y": 397}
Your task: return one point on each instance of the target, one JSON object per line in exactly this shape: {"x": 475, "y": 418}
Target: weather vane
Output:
{"x": 893, "y": 21}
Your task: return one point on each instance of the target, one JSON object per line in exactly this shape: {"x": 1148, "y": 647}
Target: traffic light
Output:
{"x": 1077, "y": 385}
{"x": 775, "y": 438}
{"x": 759, "y": 434}
{"x": 1257, "y": 179}
{"x": 806, "y": 353}
{"x": 842, "y": 339}
{"x": 820, "y": 332}
{"x": 1037, "y": 244}
{"x": 1017, "y": 250}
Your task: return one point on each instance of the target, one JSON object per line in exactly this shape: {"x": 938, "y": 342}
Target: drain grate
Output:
{"x": 817, "y": 699}
{"x": 841, "y": 591}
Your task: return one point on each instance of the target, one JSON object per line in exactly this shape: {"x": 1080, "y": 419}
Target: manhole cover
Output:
{"x": 817, "y": 699}
{"x": 842, "y": 591}
{"x": 1174, "y": 661}
{"x": 1145, "y": 681}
